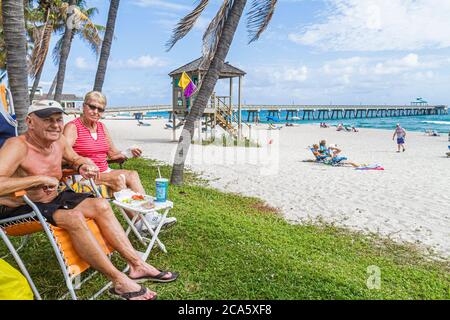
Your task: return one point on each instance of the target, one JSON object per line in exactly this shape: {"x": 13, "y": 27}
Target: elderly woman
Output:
{"x": 90, "y": 138}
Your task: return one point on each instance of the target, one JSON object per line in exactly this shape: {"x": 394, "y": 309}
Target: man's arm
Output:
{"x": 85, "y": 166}
{"x": 12, "y": 154}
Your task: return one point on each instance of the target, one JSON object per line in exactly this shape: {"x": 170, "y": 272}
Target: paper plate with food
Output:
{"x": 133, "y": 199}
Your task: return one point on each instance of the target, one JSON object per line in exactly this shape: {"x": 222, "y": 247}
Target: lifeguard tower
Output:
{"x": 220, "y": 109}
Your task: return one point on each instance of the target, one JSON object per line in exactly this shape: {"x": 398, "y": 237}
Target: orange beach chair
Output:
{"x": 71, "y": 264}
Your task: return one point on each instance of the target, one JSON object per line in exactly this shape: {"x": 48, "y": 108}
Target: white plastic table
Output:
{"x": 162, "y": 208}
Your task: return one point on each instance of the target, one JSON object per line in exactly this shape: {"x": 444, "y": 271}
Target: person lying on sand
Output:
{"x": 431, "y": 133}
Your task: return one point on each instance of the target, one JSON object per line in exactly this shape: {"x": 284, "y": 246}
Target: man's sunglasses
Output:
{"x": 92, "y": 107}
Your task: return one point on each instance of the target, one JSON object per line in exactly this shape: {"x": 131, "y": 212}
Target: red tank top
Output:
{"x": 87, "y": 146}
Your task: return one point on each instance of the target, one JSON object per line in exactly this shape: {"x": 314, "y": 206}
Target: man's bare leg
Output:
{"x": 85, "y": 244}
{"x": 101, "y": 212}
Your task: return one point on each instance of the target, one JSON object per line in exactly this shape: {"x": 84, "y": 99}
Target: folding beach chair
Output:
{"x": 71, "y": 264}
{"x": 319, "y": 158}
{"x": 144, "y": 124}
{"x": 101, "y": 191}
{"x": 336, "y": 161}
{"x": 327, "y": 159}
{"x": 8, "y": 124}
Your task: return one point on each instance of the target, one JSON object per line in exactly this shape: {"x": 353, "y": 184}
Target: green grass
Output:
{"x": 227, "y": 246}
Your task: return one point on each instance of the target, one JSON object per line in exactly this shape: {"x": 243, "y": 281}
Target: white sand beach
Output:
{"x": 408, "y": 201}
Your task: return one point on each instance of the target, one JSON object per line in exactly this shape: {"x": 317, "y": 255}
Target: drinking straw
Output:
{"x": 159, "y": 172}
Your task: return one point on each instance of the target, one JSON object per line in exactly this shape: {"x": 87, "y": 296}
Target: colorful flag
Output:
{"x": 187, "y": 85}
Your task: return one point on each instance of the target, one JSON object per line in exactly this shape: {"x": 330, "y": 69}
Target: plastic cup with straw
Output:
{"x": 162, "y": 186}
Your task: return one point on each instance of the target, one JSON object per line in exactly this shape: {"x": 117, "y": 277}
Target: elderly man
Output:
{"x": 32, "y": 162}
{"x": 401, "y": 136}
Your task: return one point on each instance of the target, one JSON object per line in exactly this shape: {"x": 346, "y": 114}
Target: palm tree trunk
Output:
{"x": 52, "y": 87}
{"x": 206, "y": 89}
{"x": 106, "y": 45}
{"x": 65, "y": 50}
{"x": 16, "y": 57}
{"x": 36, "y": 83}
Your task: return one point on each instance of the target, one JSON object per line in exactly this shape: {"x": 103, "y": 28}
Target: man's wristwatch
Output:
{"x": 79, "y": 167}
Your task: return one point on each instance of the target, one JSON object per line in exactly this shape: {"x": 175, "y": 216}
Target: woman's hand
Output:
{"x": 136, "y": 152}
{"x": 118, "y": 156}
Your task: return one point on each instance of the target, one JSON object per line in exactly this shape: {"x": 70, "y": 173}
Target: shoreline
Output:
{"x": 417, "y": 123}
{"x": 407, "y": 202}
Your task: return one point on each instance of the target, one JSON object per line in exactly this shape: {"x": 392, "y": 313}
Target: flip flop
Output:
{"x": 157, "y": 278}
{"x": 130, "y": 295}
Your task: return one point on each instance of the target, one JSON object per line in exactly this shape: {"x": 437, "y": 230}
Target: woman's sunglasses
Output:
{"x": 92, "y": 107}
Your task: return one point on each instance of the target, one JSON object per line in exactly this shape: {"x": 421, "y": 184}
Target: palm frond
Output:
{"x": 91, "y": 37}
{"x": 259, "y": 16}
{"x": 91, "y": 12}
{"x": 186, "y": 24}
{"x": 212, "y": 35}
{"x": 56, "y": 53}
{"x": 40, "y": 49}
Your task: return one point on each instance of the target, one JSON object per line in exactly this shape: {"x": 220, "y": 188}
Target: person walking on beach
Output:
{"x": 401, "y": 135}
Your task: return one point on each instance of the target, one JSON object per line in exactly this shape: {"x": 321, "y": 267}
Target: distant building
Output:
{"x": 68, "y": 100}
{"x": 419, "y": 102}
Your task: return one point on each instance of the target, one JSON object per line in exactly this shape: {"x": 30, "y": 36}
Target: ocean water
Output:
{"x": 440, "y": 123}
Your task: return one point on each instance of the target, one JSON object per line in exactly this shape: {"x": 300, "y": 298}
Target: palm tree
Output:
{"x": 106, "y": 46}
{"x": 54, "y": 15}
{"x": 89, "y": 33}
{"x": 16, "y": 56}
{"x": 216, "y": 44}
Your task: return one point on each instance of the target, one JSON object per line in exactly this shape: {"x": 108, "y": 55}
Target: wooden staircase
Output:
{"x": 224, "y": 115}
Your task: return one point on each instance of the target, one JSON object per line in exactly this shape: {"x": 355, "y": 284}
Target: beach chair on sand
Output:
{"x": 318, "y": 156}
{"x": 71, "y": 264}
{"x": 274, "y": 127}
{"x": 327, "y": 159}
{"x": 336, "y": 161}
{"x": 144, "y": 124}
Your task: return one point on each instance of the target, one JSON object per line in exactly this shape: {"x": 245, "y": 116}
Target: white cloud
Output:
{"x": 349, "y": 80}
{"x": 145, "y": 61}
{"x": 376, "y": 25}
{"x": 293, "y": 74}
{"x": 82, "y": 64}
{"x": 376, "y": 66}
{"x": 397, "y": 66}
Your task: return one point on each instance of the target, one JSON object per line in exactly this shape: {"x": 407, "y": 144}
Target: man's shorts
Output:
{"x": 67, "y": 199}
{"x": 400, "y": 140}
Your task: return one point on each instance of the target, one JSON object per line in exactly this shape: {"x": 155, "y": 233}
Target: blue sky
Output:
{"x": 314, "y": 51}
